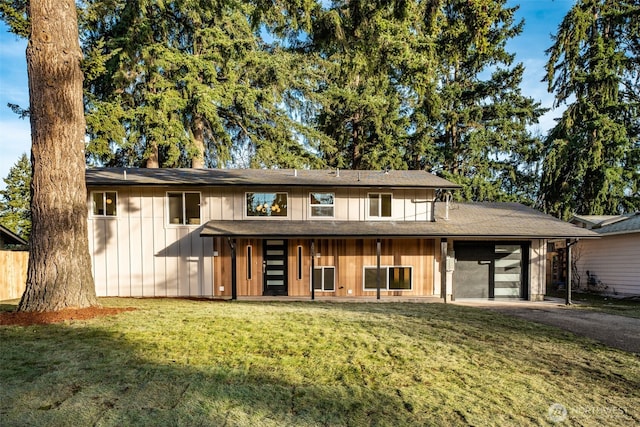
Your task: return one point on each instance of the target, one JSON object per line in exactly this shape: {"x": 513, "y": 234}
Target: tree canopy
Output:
{"x": 592, "y": 155}
{"x": 364, "y": 85}
{"x": 15, "y": 213}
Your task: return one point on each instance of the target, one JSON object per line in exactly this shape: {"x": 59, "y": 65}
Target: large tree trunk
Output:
{"x": 59, "y": 271}
{"x": 197, "y": 161}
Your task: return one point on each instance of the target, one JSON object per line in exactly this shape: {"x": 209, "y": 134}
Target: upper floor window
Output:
{"x": 266, "y": 204}
{"x": 104, "y": 203}
{"x": 322, "y": 204}
{"x": 379, "y": 205}
{"x": 184, "y": 208}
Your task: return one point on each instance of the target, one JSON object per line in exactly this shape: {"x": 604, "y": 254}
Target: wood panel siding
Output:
{"x": 613, "y": 260}
{"x": 13, "y": 278}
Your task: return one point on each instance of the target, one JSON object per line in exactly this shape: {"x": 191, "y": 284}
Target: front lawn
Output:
{"x": 195, "y": 363}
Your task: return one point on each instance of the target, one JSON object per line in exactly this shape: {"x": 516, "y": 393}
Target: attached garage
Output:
{"x": 491, "y": 270}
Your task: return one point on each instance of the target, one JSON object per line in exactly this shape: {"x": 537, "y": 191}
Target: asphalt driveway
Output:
{"x": 615, "y": 331}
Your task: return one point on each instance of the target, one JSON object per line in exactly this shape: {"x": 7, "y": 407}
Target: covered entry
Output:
{"x": 491, "y": 270}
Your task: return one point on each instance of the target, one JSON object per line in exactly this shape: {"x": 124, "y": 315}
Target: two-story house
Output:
{"x": 227, "y": 233}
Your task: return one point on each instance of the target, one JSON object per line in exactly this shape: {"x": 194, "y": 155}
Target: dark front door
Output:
{"x": 274, "y": 267}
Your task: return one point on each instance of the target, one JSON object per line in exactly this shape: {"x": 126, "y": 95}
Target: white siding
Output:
{"x": 138, "y": 254}
{"x": 615, "y": 260}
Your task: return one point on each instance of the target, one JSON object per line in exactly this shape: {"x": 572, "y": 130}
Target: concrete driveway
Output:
{"x": 615, "y": 331}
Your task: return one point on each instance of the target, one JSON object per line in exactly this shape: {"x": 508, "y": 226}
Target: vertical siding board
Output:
{"x": 171, "y": 256}
{"x": 184, "y": 248}
{"x": 124, "y": 247}
{"x": 136, "y": 236}
{"x": 159, "y": 245}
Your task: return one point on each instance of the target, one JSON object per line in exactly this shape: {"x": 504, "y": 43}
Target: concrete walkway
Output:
{"x": 615, "y": 331}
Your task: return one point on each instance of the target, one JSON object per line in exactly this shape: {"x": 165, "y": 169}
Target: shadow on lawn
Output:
{"x": 95, "y": 377}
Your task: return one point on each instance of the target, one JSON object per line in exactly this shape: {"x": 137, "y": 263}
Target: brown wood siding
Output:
{"x": 14, "y": 273}
{"x": 349, "y": 257}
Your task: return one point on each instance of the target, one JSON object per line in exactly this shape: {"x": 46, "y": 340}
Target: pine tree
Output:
{"x": 592, "y": 156}
{"x": 474, "y": 129}
{"x": 59, "y": 268}
{"x": 15, "y": 213}
{"x": 188, "y": 83}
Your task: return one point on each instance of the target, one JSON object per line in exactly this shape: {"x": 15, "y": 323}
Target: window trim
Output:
{"x": 384, "y": 286}
{"x": 323, "y": 268}
{"x": 264, "y": 217}
{"x": 104, "y": 193}
{"x": 185, "y": 222}
{"x": 312, "y": 205}
{"x": 379, "y": 216}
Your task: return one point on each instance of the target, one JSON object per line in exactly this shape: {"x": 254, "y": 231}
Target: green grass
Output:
{"x": 194, "y": 363}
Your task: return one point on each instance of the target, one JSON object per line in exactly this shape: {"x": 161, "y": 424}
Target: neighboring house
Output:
{"x": 309, "y": 233}
{"x": 610, "y": 264}
{"x": 8, "y": 239}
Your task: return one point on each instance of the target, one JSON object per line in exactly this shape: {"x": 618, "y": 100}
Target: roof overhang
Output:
{"x": 362, "y": 229}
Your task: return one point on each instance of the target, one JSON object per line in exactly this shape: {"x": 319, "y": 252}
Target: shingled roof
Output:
{"x": 465, "y": 220}
{"x": 265, "y": 177}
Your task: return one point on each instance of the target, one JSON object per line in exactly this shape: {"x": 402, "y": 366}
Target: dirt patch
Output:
{"x": 43, "y": 318}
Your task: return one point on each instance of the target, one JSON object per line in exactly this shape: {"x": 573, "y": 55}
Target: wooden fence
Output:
{"x": 13, "y": 273}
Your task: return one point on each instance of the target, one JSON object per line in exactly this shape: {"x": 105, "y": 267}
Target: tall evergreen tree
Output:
{"x": 371, "y": 52}
{"x": 592, "y": 156}
{"x": 59, "y": 268}
{"x": 15, "y": 213}
{"x": 474, "y": 131}
{"x": 180, "y": 82}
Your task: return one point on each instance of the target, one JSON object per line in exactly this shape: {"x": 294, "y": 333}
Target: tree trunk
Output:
{"x": 153, "y": 161}
{"x": 59, "y": 270}
{"x": 197, "y": 161}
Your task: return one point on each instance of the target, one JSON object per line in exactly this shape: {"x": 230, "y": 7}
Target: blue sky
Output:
{"x": 542, "y": 18}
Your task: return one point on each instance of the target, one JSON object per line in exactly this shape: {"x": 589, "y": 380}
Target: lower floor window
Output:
{"x": 324, "y": 278}
{"x": 392, "y": 278}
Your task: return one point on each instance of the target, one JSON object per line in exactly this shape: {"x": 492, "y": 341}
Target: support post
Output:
{"x": 569, "y": 278}
{"x": 443, "y": 270}
{"x": 378, "y": 270}
{"x": 313, "y": 274}
{"x": 234, "y": 278}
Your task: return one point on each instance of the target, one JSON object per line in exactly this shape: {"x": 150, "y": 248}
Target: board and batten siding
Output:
{"x": 613, "y": 259}
{"x": 138, "y": 253}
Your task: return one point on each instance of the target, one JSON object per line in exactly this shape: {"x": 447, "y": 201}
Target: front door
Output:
{"x": 274, "y": 267}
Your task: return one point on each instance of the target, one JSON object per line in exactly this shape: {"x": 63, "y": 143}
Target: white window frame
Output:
{"x": 185, "y": 220}
{"x": 104, "y": 202}
{"x": 324, "y": 268}
{"x": 267, "y": 217}
{"x": 315, "y": 205}
{"x": 379, "y": 197}
{"x": 384, "y": 270}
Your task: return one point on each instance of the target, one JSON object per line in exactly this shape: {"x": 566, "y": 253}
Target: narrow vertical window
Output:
{"x": 299, "y": 272}
{"x": 249, "y": 262}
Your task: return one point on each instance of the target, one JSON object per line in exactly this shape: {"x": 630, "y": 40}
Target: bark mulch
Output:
{"x": 43, "y": 318}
